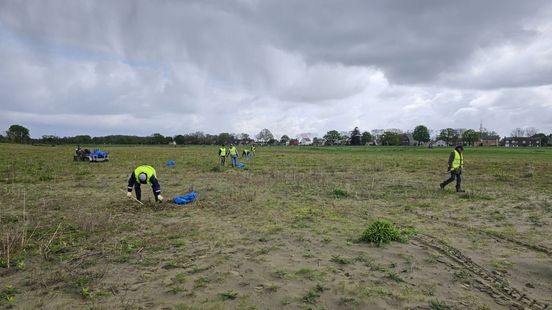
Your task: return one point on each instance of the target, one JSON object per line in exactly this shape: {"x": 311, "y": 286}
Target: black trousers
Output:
{"x": 454, "y": 175}
{"x": 139, "y": 191}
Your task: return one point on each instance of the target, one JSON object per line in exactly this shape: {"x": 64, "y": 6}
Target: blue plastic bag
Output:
{"x": 170, "y": 163}
{"x": 240, "y": 165}
{"x": 99, "y": 153}
{"x": 181, "y": 200}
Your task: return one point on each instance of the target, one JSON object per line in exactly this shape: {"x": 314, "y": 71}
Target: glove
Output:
{"x": 129, "y": 195}
{"x": 160, "y": 198}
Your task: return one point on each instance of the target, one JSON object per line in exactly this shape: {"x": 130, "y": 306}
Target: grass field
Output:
{"x": 285, "y": 232}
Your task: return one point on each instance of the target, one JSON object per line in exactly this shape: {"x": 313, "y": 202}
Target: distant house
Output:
{"x": 490, "y": 141}
{"x": 439, "y": 143}
{"x": 305, "y": 141}
{"x": 293, "y": 142}
{"x": 521, "y": 142}
{"x": 318, "y": 141}
{"x": 407, "y": 139}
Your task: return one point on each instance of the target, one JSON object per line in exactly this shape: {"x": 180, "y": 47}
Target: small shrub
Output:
{"x": 438, "y": 305}
{"x": 382, "y": 231}
{"x": 339, "y": 193}
{"x": 229, "y": 295}
{"x": 7, "y": 295}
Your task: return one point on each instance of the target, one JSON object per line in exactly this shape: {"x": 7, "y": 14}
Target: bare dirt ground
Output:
{"x": 281, "y": 234}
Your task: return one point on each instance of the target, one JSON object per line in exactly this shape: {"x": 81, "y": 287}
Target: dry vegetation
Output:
{"x": 285, "y": 232}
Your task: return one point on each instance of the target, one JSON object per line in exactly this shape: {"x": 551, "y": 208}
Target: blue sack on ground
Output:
{"x": 99, "y": 153}
{"x": 170, "y": 163}
{"x": 181, "y": 200}
{"x": 240, "y": 165}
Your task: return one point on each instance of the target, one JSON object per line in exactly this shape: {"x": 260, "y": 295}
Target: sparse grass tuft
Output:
{"x": 340, "y": 260}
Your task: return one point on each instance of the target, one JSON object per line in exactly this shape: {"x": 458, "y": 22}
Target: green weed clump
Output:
{"x": 382, "y": 232}
{"x": 340, "y": 193}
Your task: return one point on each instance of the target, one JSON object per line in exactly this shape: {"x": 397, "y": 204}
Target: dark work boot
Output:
{"x": 459, "y": 189}
{"x": 441, "y": 185}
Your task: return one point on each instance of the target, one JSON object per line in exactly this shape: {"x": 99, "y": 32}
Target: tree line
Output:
{"x": 420, "y": 134}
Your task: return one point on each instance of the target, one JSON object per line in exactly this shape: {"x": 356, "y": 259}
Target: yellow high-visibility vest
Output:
{"x": 148, "y": 170}
{"x": 222, "y": 151}
{"x": 458, "y": 161}
{"x": 233, "y": 151}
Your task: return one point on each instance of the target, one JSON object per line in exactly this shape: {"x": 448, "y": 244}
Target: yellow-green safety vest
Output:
{"x": 222, "y": 151}
{"x": 233, "y": 151}
{"x": 148, "y": 170}
{"x": 458, "y": 161}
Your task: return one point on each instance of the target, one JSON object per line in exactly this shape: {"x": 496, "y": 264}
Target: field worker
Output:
{"x": 144, "y": 175}
{"x": 222, "y": 154}
{"x": 253, "y": 149}
{"x": 246, "y": 153}
{"x": 455, "y": 164}
{"x": 234, "y": 155}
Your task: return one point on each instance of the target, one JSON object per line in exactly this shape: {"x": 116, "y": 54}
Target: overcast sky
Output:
{"x": 138, "y": 67}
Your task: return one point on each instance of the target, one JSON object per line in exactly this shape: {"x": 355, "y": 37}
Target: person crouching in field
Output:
{"x": 455, "y": 165}
{"x": 222, "y": 155}
{"x": 144, "y": 175}
{"x": 246, "y": 154}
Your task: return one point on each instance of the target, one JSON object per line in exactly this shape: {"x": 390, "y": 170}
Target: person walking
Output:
{"x": 253, "y": 148}
{"x": 222, "y": 154}
{"x": 234, "y": 155}
{"x": 144, "y": 175}
{"x": 455, "y": 165}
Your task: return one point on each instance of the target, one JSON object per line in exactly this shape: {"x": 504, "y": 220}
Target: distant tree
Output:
{"x": 531, "y": 131}
{"x": 317, "y": 141}
{"x": 449, "y": 135}
{"x": 356, "y": 137}
{"x": 366, "y": 138}
{"x": 345, "y": 137}
{"x": 332, "y": 137}
{"x": 421, "y": 134}
{"x": 390, "y": 138}
{"x": 544, "y": 139}
{"x": 224, "y": 138}
{"x": 518, "y": 132}
{"x": 376, "y": 135}
{"x": 244, "y": 136}
{"x": 2, "y": 139}
{"x": 180, "y": 139}
{"x": 18, "y": 134}
{"x": 50, "y": 139}
{"x": 264, "y": 136}
{"x": 470, "y": 136}
{"x": 284, "y": 139}
{"x": 485, "y": 134}
{"x": 157, "y": 138}
{"x": 82, "y": 139}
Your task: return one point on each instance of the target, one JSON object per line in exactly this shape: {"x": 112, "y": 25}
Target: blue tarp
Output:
{"x": 240, "y": 165}
{"x": 99, "y": 153}
{"x": 170, "y": 163}
{"x": 181, "y": 200}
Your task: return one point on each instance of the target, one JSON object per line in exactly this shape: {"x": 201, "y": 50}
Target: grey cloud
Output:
{"x": 305, "y": 66}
